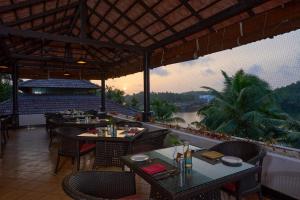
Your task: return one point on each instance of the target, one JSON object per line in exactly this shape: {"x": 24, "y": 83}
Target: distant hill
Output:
{"x": 186, "y": 101}
{"x": 288, "y": 98}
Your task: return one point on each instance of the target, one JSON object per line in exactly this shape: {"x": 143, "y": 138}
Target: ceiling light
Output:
{"x": 66, "y": 74}
{"x": 3, "y": 67}
{"x": 81, "y": 61}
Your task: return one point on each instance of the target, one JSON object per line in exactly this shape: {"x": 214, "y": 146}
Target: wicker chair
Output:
{"x": 49, "y": 117}
{"x": 52, "y": 122}
{"x": 123, "y": 123}
{"x": 91, "y": 112}
{"x": 149, "y": 141}
{"x": 108, "y": 153}
{"x": 6, "y": 122}
{"x": 248, "y": 152}
{"x": 70, "y": 147}
{"x": 3, "y": 131}
{"x": 97, "y": 185}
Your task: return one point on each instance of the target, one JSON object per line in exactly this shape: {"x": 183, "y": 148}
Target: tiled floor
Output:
{"x": 26, "y": 169}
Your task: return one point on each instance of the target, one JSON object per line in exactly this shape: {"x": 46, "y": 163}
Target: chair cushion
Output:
{"x": 231, "y": 187}
{"x": 87, "y": 147}
{"x": 132, "y": 197}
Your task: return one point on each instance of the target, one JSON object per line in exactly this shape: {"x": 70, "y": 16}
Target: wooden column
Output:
{"x": 146, "y": 63}
{"x": 103, "y": 109}
{"x": 15, "y": 111}
{"x": 1, "y": 145}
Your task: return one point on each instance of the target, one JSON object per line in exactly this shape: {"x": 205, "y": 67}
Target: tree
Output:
{"x": 5, "y": 87}
{"x": 164, "y": 111}
{"x": 134, "y": 103}
{"x": 115, "y": 95}
{"x": 245, "y": 108}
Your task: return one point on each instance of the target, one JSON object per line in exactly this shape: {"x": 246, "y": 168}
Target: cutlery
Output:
{"x": 166, "y": 174}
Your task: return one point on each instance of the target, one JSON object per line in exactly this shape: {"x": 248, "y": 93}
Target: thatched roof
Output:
{"x": 47, "y": 38}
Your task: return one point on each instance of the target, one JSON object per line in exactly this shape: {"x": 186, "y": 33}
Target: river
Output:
{"x": 189, "y": 117}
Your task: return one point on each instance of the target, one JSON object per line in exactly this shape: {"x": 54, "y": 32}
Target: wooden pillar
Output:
{"x": 1, "y": 145}
{"x": 15, "y": 111}
{"x": 103, "y": 109}
{"x": 83, "y": 19}
{"x": 146, "y": 64}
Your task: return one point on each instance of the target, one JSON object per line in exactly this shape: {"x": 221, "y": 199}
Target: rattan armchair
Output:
{"x": 150, "y": 140}
{"x": 123, "y": 123}
{"x": 6, "y": 122}
{"x": 108, "y": 153}
{"x": 249, "y": 152}
{"x": 70, "y": 147}
{"x": 98, "y": 185}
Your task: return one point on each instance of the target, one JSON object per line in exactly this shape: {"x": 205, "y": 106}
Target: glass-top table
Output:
{"x": 202, "y": 177}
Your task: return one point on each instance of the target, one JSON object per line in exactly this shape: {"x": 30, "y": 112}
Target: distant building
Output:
{"x": 58, "y": 87}
{"x": 207, "y": 98}
{"x": 38, "y": 97}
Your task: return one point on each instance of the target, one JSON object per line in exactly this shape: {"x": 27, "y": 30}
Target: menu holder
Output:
{"x": 211, "y": 157}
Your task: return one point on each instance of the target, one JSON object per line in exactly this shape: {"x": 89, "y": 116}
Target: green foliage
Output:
{"x": 171, "y": 97}
{"x": 115, "y": 95}
{"x": 172, "y": 140}
{"x": 5, "y": 87}
{"x": 134, "y": 103}
{"x": 163, "y": 111}
{"x": 288, "y": 98}
{"x": 245, "y": 108}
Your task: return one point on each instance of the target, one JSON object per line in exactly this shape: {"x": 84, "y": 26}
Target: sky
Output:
{"x": 276, "y": 60}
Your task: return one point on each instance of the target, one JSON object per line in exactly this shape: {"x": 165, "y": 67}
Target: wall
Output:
{"x": 31, "y": 120}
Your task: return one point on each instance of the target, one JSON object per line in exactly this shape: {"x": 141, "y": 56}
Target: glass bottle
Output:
{"x": 188, "y": 159}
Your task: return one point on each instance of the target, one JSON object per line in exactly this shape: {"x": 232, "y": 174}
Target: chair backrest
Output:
{"x": 68, "y": 145}
{"x": 248, "y": 151}
{"x": 153, "y": 138}
{"x": 98, "y": 185}
{"x": 91, "y": 112}
{"x": 129, "y": 124}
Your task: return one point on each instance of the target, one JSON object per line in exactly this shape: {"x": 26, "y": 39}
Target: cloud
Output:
{"x": 199, "y": 61}
{"x": 160, "y": 71}
{"x": 255, "y": 70}
{"x": 208, "y": 71}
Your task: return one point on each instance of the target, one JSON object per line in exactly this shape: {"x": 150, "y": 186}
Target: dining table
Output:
{"x": 109, "y": 146}
{"x": 202, "y": 181}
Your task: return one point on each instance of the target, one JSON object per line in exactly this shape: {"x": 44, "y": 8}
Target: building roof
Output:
{"x": 58, "y": 83}
{"x": 40, "y": 104}
{"x": 46, "y": 38}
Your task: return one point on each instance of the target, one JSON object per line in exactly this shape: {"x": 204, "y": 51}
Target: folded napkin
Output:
{"x": 154, "y": 168}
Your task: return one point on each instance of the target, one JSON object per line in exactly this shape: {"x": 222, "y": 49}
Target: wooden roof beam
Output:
{"x": 15, "y": 6}
{"x": 242, "y": 6}
{"x": 4, "y": 30}
{"x": 83, "y": 19}
{"x": 42, "y": 14}
{"x": 54, "y": 59}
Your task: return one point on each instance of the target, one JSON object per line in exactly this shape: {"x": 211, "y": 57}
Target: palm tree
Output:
{"x": 164, "y": 111}
{"x": 245, "y": 108}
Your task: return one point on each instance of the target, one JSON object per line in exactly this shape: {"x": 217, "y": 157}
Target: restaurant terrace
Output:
{"x": 100, "y": 40}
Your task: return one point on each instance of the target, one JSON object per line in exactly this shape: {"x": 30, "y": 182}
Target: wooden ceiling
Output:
{"x": 45, "y": 39}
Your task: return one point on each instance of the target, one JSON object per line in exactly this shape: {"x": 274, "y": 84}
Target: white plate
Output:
{"x": 231, "y": 160}
{"x": 139, "y": 157}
